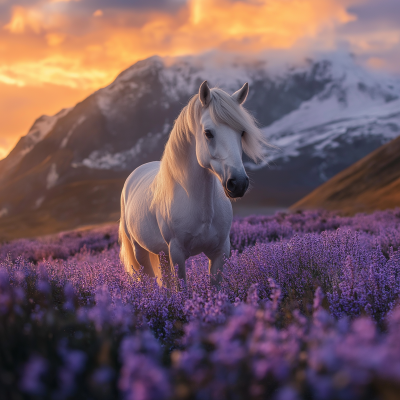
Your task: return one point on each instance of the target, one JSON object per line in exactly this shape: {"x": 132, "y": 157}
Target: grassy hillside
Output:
{"x": 373, "y": 183}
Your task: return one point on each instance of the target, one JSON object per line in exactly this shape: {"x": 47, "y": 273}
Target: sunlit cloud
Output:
{"x": 11, "y": 81}
{"x": 55, "y": 70}
{"x": 72, "y": 46}
{"x": 54, "y": 39}
{"x": 377, "y": 40}
{"x": 23, "y": 19}
{"x": 100, "y": 48}
{"x": 376, "y": 62}
{"x": 62, "y": 1}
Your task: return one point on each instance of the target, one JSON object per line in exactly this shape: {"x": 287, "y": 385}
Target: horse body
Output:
{"x": 192, "y": 227}
{"x": 178, "y": 206}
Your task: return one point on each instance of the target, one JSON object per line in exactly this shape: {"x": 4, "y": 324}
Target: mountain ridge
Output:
{"x": 117, "y": 128}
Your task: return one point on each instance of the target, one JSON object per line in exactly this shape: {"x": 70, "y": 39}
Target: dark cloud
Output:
{"x": 376, "y": 13}
{"x": 169, "y": 5}
{"x": 6, "y": 8}
{"x": 374, "y": 32}
{"x": 87, "y": 7}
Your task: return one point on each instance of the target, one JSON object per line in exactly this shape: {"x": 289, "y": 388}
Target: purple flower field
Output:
{"x": 307, "y": 309}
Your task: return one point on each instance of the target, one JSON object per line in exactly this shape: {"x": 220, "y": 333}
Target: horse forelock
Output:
{"x": 226, "y": 110}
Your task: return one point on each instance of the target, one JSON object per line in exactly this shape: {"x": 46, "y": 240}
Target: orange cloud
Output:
{"x": 51, "y": 45}
{"x": 380, "y": 40}
{"x": 23, "y": 19}
{"x": 73, "y": 52}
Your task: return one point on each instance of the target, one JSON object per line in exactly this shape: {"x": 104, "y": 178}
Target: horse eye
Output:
{"x": 242, "y": 133}
{"x": 208, "y": 134}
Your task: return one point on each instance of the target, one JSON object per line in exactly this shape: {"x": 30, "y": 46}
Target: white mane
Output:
{"x": 223, "y": 110}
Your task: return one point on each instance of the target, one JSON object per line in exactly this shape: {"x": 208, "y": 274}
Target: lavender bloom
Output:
{"x": 73, "y": 364}
{"x": 142, "y": 377}
{"x": 307, "y": 309}
{"x": 5, "y": 292}
{"x": 69, "y": 297}
{"x": 32, "y": 374}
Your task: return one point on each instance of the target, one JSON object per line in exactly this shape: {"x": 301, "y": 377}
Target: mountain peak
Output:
{"x": 140, "y": 68}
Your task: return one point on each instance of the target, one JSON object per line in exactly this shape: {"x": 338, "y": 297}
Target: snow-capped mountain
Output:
{"x": 323, "y": 114}
{"x": 355, "y": 112}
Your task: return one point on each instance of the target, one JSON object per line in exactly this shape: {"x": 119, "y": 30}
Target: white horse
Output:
{"x": 180, "y": 205}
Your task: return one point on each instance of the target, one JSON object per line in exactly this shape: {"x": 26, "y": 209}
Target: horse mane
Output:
{"x": 223, "y": 110}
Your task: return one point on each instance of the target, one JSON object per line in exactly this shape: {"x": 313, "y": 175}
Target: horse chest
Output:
{"x": 206, "y": 236}
{"x": 200, "y": 222}
{"x": 205, "y": 233}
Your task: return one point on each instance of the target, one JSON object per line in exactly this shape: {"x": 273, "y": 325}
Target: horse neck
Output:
{"x": 199, "y": 183}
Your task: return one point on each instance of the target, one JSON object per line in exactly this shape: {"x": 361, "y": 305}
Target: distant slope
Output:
{"x": 73, "y": 205}
{"x": 373, "y": 183}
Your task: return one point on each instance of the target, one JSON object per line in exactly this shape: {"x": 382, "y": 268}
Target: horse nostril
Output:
{"x": 231, "y": 185}
{"x": 247, "y": 182}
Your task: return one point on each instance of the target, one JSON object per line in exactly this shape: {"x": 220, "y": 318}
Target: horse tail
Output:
{"x": 126, "y": 254}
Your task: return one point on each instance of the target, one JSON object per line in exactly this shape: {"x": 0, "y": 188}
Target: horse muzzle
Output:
{"x": 236, "y": 187}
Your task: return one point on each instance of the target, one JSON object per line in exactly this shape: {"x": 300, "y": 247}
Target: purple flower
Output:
{"x": 142, "y": 377}
{"x": 33, "y": 372}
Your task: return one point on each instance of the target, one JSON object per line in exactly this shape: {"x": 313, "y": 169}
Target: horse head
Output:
{"x": 219, "y": 137}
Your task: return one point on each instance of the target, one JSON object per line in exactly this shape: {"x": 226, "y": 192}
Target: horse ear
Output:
{"x": 241, "y": 95}
{"x": 204, "y": 94}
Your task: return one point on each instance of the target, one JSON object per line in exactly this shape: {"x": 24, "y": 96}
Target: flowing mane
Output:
{"x": 223, "y": 110}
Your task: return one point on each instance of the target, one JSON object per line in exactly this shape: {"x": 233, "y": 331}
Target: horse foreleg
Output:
{"x": 177, "y": 257}
{"x": 216, "y": 263}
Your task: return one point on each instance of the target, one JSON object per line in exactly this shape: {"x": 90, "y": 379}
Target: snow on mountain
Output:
{"x": 71, "y": 131}
{"x": 185, "y": 75}
{"x": 41, "y": 127}
{"x": 356, "y": 105}
{"x": 164, "y": 83}
{"x": 180, "y": 77}
{"x": 44, "y": 125}
{"x": 309, "y": 126}
{"x": 119, "y": 161}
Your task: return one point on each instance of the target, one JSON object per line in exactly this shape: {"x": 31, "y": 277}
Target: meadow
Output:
{"x": 307, "y": 309}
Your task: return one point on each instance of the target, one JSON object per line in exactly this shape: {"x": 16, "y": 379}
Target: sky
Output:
{"x": 54, "y": 53}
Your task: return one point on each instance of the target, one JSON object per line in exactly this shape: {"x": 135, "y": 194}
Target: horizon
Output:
{"x": 56, "y": 53}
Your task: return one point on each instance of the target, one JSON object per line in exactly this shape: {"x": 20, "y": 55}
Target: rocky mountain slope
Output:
{"x": 373, "y": 183}
{"x": 324, "y": 114}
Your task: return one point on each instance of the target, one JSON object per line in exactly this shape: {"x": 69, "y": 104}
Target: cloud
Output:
{"x": 168, "y": 5}
{"x": 79, "y": 46}
{"x": 23, "y": 19}
{"x": 374, "y": 34}
{"x": 6, "y": 7}
{"x": 377, "y": 13}
{"x": 50, "y": 37}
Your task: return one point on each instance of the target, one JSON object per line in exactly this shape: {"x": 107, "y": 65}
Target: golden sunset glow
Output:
{"x": 59, "y": 56}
